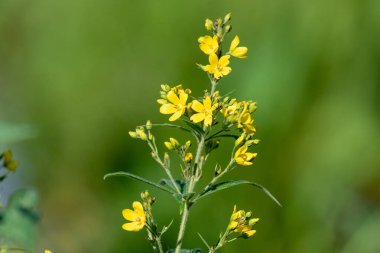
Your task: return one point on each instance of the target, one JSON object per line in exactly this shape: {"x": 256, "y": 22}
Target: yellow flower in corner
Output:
{"x": 208, "y": 44}
{"x": 239, "y": 52}
{"x": 204, "y": 111}
{"x": 177, "y": 105}
{"x": 137, "y": 217}
{"x": 243, "y": 157}
{"x": 218, "y": 67}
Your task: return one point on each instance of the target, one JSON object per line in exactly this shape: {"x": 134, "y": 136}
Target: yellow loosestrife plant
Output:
{"x": 208, "y": 120}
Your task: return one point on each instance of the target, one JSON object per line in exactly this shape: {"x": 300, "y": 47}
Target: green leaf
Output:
{"x": 228, "y": 184}
{"x": 185, "y": 251}
{"x": 180, "y": 183}
{"x": 130, "y": 175}
{"x": 196, "y": 127}
{"x": 204, "y": 241}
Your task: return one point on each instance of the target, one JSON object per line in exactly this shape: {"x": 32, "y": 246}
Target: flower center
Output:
{"x": 219, "y": 67}
{"x": 138, "y": 219}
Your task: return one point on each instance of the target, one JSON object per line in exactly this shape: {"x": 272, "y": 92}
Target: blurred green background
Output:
{"x": 77, "y": 75}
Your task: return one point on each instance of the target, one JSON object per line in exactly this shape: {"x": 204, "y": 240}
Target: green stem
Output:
{"x": 192, "y": 182}
{"x": 182, "y": 228}
{"x": 167, "y": 170}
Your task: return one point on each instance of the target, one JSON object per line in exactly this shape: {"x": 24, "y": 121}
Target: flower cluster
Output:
{"x": 241, "y": 223}
{"x": 211, "y": 45}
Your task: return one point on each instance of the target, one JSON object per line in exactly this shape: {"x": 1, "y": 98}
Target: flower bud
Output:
{"x": 252, "y": 107}
{"x": 132, "y": 134}
{"x": 209, "y": 24}
{"x": 240, "y": 140}
{"x": 148, "y": 125}
{"x": 141, "y": 134}
{"x": 228, "y": 28}
{"x": 188, "y": 157}
{"x": 253, "y": 221}
{"x": 168, "y": 145}
{"x": 166, "y": 160}
{"x": 188, "y": 144}
{"x": 227, "y": 18}
{"x": 174, "y": 142}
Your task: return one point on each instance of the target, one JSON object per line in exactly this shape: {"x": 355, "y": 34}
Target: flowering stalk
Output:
{"x": 201, "y": 118}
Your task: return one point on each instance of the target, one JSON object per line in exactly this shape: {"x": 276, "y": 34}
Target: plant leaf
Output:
{"x": 231, "y": 183}
{"x": 133, "y": 176}
{"x": 185, "y": 251}
{"x": 180, "y": 183}
{"x": 204, "y": 241}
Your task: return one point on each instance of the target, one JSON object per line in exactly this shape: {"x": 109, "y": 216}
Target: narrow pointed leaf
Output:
{"x": 228, "y": 184}
{"x": 133, "y": 176}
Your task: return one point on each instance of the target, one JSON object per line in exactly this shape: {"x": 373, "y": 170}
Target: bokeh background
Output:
{"x": 77, "y": 75}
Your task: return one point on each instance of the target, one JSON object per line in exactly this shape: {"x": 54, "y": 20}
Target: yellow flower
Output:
{"x": 240, "y": 224}
{"x": 177, "y": 105}
{"x": 243, "y": 157}
{"x": 239, "y": 52}
{"x": 48, "y": 251}
{"x": 218, "y": 67}
{"x": 137, "y": 217}
{"x": 204, "y": 111}
{"x": 208, "y": 44}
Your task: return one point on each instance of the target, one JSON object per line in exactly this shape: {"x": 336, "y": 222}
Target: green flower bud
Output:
{"x": 227, "y": 18}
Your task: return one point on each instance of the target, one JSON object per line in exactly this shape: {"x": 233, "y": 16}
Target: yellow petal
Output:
{"x": 176, "y": 115}
{"x": 226, "y": 71}
{"x": 183, "y": 98}
{"x": 224, "y": 60}
{"x": 240, "y": 52}
{"x": 245, "y": 163}
{"x": 197, "y": 106}
{"x": 172, "y": 97}
{"x": 198, "y": 117}
{"x": 233, "y": 225}
{"x": 207, "y": 103}
{"x": 235, "y": 42}
{"x": 209, "y": 69}
{"x": 133, "y": 226}
{"x": 202, "y": 39}
{"x": 250, "y": 156}
{"x": 168, "y": 109}
{"x": 213, "y": 59}
{"x": 48, "y": 251}
{"x": 217, "y": 74}
{"x": 249, "y": 233}
{"x": 208, "y": 120}
{"x": 130, "y": 215}
{"x": 138, "y": 208}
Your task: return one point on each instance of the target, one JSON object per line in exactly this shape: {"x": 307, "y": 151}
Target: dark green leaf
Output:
{"x": 227, "y": 184}
{"x": 126, "y": 174}
{"x": 180, "y": 183}
{"x": 196, "y": 127}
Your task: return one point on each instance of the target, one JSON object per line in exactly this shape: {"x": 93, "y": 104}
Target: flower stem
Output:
{"x": 193, "y": 180}
{"x": 182, "y": 228}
